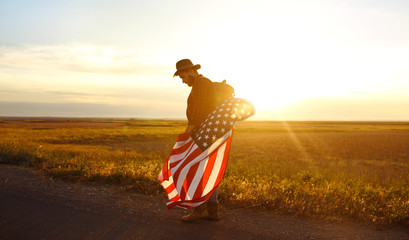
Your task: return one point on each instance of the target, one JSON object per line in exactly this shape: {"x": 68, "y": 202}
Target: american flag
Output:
{"x": 198, "y": 160}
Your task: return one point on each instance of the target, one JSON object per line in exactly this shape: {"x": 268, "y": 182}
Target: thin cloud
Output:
{"x": 88, "y": 110}
{"x": 163, "y": 100}
{"x": 83, "y": 58}
{"x": 70, "y": 93}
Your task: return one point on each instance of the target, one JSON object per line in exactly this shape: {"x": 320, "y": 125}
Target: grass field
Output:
{"x": 327, "y": 170}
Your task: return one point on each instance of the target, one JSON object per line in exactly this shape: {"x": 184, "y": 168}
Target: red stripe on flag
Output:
{"x": 225, "y": 159}
{"x": 170, "y": 188}
{"x": 174, "y": 158}
{"x": 190, "y": 176}
{"x": 192, "y": 156}
{"x": 183, "y": 137}
{"x": 206, "y": 174}
{"x": 165, "y": 172}
{"x": 183, "y": 148}
{"x": 182, "y": 192}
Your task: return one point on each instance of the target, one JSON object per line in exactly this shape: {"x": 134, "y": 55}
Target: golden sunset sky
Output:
{"x": 294, "y": 60}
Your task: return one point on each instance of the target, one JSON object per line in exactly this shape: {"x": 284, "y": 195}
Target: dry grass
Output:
{"x": 317, "y": 169}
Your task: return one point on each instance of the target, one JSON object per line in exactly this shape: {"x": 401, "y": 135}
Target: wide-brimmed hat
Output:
{"x": 185, "y": 64}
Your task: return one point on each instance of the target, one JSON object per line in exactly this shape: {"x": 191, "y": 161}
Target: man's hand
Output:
{"x": 190, "y": 128}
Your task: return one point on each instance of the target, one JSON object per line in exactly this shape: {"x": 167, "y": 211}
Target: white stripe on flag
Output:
{"x": 216, "y": 169}
{"x": 196, "y": 180}
{"x": 177, "y": 157}
{"x": 181, "y": 143}
{"x": 188, "y": 152}
{"x": 167, "y": 183}
{"x": 172, "y": 194}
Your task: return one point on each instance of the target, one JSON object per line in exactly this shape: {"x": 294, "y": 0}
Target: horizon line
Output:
{"x": 183, "y": 119}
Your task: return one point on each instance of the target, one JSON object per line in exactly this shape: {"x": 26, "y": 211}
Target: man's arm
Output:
{"x": 190, "y": 128}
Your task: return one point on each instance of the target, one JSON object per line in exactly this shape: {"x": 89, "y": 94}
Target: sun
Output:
{"x": 268, "y": 95}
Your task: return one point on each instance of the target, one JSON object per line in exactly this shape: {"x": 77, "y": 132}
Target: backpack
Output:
{"x": 222, "y": 91}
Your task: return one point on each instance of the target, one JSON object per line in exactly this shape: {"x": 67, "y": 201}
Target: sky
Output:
{"x": 294, "y": 60}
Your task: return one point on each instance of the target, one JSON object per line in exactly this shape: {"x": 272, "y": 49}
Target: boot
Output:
{"x": 198, "y": 212}
{"x": 213, "y": 210}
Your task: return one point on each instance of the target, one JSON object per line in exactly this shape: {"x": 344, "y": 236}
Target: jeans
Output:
{"x": 213, "y": 198}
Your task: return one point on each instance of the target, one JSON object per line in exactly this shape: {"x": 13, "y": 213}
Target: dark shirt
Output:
{"x": 201, "y": 101}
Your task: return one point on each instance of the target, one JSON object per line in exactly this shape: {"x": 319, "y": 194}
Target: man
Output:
{"x": 194, "y": 169}
{"x": 200, "y": 103}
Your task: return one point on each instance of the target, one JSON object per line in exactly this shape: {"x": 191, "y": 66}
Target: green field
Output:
{"x": 329, "y": 170}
